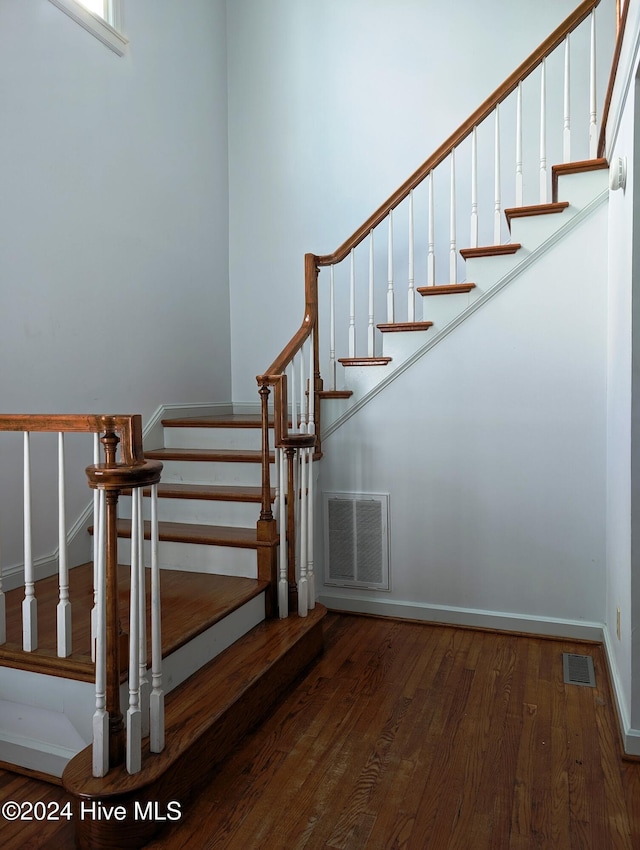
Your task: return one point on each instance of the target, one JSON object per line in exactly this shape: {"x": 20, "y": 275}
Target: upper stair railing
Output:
{"x": 545, "y": 112}
{"x": 109, "y": 478}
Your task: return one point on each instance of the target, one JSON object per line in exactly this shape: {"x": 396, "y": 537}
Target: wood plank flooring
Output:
{"x": 412, "y": 736}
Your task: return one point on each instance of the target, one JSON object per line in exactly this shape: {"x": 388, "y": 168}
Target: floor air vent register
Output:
{"x": 578, "y": 670}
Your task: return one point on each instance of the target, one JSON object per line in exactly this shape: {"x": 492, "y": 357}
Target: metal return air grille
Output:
{"x": 578, "y": 670}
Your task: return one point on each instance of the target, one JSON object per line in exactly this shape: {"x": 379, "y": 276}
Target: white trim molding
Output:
{"x": 97, "y": 26}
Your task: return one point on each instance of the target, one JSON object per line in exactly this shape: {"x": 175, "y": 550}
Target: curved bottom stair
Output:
{"x": 205, "y": 718}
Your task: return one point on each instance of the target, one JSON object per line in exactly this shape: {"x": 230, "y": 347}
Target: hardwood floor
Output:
{"x": 413, "y": 736}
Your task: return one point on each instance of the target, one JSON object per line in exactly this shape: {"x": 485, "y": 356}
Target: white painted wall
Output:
{"x": 622, "y": 395}
{"x": 113, "y": 221}
{"x": 492, "y": 448}
{"x": 332, "y": 105}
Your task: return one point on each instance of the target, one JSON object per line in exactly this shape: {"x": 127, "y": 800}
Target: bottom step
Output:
{"x": 205, "y": 718}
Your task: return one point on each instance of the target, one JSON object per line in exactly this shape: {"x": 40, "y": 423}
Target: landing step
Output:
{"x": 396, "y": 327}
{"x": 364, "y": 361}
{"x": 186, "y": 532}
{"x": 535, "y": 209}
{"x": 490, "y": 250}
{"x": 446, "y": 289}
{"x": 205, "y": 718}
{"x": 191, "y": 603}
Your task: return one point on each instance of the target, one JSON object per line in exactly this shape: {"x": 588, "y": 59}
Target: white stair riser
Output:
{"x": 361, "y": 379}
{"x": 46, "y": 720}
{"x": 442, "y": 309}
{"x": 213, "y": 438}
{"x": 400, "y": 345}
{"x": 195, "y": 654}
{"x": 198, "y": 558}
{"x": 581, "y": 189}
{"x": 486, "y": 271}
{"x": 212, "y": 472}
{"x": 205, "y": 511}
{"x": 532, "y": 230}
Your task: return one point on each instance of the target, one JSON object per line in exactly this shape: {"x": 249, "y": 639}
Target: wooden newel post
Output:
{"x": 113, "y": 627}
{"x": 266, "y": 529}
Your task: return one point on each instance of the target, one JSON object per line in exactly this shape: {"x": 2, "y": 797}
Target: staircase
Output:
{"x": 224, "y": 665}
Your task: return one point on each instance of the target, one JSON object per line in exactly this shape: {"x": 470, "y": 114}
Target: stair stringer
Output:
{"x": 334, "y": 412}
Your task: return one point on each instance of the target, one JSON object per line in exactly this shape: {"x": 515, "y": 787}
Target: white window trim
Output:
{"x": 96, "y": 25}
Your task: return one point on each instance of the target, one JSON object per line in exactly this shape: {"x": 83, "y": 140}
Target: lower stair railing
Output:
{"x": 288, "y": 393}
{"x": 123, "y": 469}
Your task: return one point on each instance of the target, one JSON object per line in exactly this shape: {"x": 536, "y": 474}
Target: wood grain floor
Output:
{"x": 413, "y": 736}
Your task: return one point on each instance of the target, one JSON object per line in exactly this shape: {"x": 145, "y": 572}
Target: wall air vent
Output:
{"x": 578, "y": 670}
{"x": 357, "y": 540}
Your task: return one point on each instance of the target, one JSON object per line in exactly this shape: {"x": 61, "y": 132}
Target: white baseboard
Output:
{"x": 548, "y": 626}
{"x": 630, "y": 737}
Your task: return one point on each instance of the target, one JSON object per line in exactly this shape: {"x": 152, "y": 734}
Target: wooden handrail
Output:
{"x": 128, "y": 427}
{"x": 484, "y": 110}
{"x": 621, "y": 26}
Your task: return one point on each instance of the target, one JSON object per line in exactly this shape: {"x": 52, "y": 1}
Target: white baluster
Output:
{"x": 64, "y": 605}
{"x": 144, "y": 686}
{"x": 96, "y": 502}
{"x": 411, "y": 295}
{"x": 304, "y": 395}
{"x": 543, "y": 132}
{"x": 453, "y": 259}
{"x": 101, "y": 716}
{"x": 283, "y": 581}
{"x": 134, "y": 718}
{"x": 294, "y": 400}
{"x": 566, "y": 130}
{"x": 311, "y": 429}
{"x": 593, "y": 115}
{"x": 29, "y": 604}
{"x": 352, "y": 307}
{"x": 156, "y": 699}
{"x": 370, "y": 324}
{"x": 519, "y": 181}
{"x": 431, "y": 255}
{"x": 390, "y": 294}
{"x": 473, "y": 236}
{"x": 497, "y": 208}
{"x": 332, "y": 329}
{"x": 303, "y": 517}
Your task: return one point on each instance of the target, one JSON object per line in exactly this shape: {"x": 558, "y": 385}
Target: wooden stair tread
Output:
{"x": 187, "y": 532}
{"x": 574, "y": 168}
{"x": 534, "y": 209}
{"x": 490, "y": 250}
{"x": 394, "y": 327}
{"x": 206, "y": 716}
{"x": 446, "y": 289}
{"x": 228, "y": 420}
{"x": 208, "y": 455}
{"x": 364, "y": 361}
{"x": 335, "y": 393}
{"x": 211, "y": 492}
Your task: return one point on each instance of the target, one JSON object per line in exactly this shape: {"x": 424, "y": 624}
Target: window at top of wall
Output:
{"x": 102, "y": 18}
